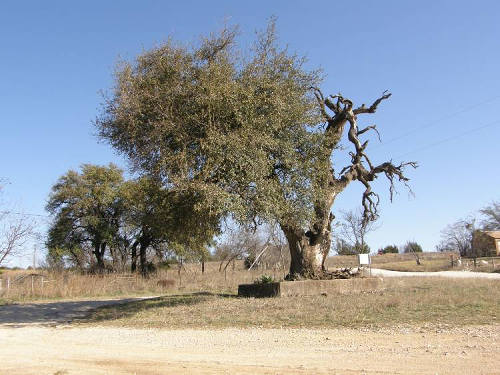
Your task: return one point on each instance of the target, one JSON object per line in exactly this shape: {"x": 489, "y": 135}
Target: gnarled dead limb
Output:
{"x": 373, "y": 107}
{"x": 361, "y": 167}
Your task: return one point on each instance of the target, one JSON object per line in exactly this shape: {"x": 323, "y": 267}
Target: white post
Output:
{"x": 32, "y": 285}
{"x": 1, "y": 284}
{"x": 8, "y": 284}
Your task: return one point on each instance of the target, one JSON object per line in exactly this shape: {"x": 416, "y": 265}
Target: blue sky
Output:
{"x": 440, "y": 59}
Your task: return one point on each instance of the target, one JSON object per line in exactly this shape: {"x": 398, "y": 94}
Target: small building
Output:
{"x": 486, "y": 243}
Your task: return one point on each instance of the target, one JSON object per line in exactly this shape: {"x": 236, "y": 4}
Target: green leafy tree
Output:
{"x": 390, "y": 249}
{"x": 250, "y": 137}
{"x": 157, "y": 216}
{"x": 86, "y": 207}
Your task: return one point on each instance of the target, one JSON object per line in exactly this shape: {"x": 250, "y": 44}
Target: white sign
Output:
{"x": 363, "y": 259}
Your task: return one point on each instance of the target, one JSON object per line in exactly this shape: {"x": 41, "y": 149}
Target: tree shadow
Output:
{"x": 53, "y": 313}
{"x": 128, "y": 309}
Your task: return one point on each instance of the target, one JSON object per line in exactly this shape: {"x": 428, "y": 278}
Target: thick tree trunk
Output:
{"x": 99, "y": 249}
{"x": 307, "y": 254}
{"x": 309, "y": 250}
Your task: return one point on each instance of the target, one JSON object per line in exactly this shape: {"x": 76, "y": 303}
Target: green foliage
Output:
{"x": 86, "y": 207}
{"x": 390, "y": 249}
{"x": 265, "y": 279}
{"x": 412, "y": 247}
{"x": 343, "y": 247}
{"x": 97, "y": 210}
{"x": 237, "y": 133}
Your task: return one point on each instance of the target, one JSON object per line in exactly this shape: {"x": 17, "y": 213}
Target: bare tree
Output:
{"x": 15, "y": 231}
{"x": 353, "y": 229}
{"x": 491, "y": 215}
{"x": 457, "y": 237}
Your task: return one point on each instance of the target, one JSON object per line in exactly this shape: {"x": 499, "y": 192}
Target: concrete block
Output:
{"x": 311, "y": 287}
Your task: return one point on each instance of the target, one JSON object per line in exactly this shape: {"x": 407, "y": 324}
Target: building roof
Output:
{"x": 493, "y": 233}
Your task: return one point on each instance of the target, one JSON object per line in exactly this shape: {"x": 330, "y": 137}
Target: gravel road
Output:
{"x": 31, "y": 350}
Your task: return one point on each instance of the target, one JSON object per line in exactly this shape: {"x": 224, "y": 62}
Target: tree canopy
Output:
{"x": 96, "y": 210}
{"x": 249, "y": 133}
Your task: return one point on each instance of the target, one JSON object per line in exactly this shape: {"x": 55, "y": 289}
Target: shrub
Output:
{"x": 265, "y": 279}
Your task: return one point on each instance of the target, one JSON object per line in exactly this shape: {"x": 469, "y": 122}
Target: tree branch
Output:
{"x": 373, "y": 107}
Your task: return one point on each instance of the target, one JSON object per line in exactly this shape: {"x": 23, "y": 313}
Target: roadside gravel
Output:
{"x": 107, "y": 350}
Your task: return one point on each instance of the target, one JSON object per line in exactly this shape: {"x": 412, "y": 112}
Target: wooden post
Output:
{"x": 32, "y": 285}
{"x": 1, "y": 284}
{"x": 8, "y": 284}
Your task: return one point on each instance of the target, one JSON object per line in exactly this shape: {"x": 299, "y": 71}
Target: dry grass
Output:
{"x": 68, "y": 285}
{"x": 404, "y": 301}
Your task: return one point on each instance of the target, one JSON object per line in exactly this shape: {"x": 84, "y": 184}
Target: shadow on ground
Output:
{"x": 112, "y": 312}
{"x": 54, "y": 313}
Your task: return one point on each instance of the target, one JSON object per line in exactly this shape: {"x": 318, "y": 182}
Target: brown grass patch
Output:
{"x": 404, "y": 301}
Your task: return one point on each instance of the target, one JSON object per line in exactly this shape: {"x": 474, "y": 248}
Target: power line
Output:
{"x": 430, "y": 145}
{"x": 21, "y": 213}
{"x": 435, "y": 121}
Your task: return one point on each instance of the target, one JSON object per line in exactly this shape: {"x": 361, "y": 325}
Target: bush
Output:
{"x": 412, "y": 247}
{"x": 265, "y": 279}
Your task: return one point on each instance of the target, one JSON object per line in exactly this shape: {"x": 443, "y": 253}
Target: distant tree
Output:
{"x": 342, "y": 247}
{"x": 491, "y": 215}
{"x": 86, "y": 209}
{"x": 353, "y": 229}
{"x": 390, "y": 249}
{"x": 457, "y": 237}
{"x": 414, "y": 248}
{"x": 253, "y": 137}
{"x": 15, "y": 230}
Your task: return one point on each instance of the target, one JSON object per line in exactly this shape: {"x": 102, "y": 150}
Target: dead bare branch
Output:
{"x": 373, "y": 107}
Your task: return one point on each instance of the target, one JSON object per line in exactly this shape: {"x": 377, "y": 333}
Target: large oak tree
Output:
{"x": 252, "y": 136}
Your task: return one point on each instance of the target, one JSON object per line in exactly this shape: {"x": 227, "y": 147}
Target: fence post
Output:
{"x": 8, "y": 284}
{"x": 2, "y": 280}
{"x": 32, "y": 285}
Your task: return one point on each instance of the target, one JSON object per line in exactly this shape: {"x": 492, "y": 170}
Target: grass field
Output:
{"x": 71, "y": 285}
{"x": 410, "y": 301}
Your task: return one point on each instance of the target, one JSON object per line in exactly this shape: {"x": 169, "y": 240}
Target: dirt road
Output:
{"x": 69, "y": 350}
